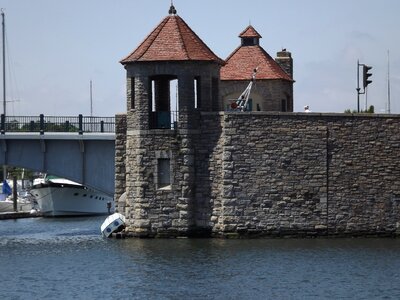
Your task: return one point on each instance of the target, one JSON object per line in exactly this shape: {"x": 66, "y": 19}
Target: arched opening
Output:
{"x": 164, "y": 101}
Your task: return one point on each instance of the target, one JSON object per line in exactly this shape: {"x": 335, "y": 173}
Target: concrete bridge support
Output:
{"x": 87, "y": 159}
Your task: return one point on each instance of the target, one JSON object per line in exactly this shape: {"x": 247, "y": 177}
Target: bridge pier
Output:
{"x": 87, "y": 159}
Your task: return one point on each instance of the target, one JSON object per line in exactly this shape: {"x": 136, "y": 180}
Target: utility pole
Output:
{"x": 4, "y": 77}
{"x": 91, "y": 99}
{"x": 388, "y": 82}
{"x": 358, "y": 86}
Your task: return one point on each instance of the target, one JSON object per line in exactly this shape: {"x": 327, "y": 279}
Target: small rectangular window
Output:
{"x": 132, "y": 87}
{"x": 215, "y": 93}
{"x": 164, "y": 173}
{"x": 283, "y": 105}
{"x": 197, "y": 93}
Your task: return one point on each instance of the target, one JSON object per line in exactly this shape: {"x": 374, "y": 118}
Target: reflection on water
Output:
{"x": 67, "y": 258}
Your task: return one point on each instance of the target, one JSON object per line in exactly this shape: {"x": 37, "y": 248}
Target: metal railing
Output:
{"x": 42, "y": 124}
{"x": 164, "y": 119}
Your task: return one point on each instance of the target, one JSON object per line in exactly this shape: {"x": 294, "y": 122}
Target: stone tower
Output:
{"x": 274, "y": 82}
{"x": 172, "y": 76}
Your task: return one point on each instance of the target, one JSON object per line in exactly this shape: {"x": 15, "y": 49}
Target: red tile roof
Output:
{"x": 250, "y": 32}
{"x": 241, "y": 63}
{"x": 172, "y": 40}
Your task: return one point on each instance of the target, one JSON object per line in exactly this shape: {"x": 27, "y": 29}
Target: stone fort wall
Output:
{"x": 269, "y": 174}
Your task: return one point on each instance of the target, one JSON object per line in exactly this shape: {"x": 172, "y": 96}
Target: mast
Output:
{"x": 91, "y": 100}
{"x": 4, "y": 78}
{"x": 4, "y": 61}
{"x": 388, "y": 82}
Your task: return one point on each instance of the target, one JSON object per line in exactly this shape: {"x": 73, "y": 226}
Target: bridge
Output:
{"x": 78, "y": 148}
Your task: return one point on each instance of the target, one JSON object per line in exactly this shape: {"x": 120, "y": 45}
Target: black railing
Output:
{"x": 42, "y": 124}
{"x": 163, "y": 119}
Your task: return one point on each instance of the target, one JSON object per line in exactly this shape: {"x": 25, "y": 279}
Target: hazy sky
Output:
{"x": 55, "y": 47}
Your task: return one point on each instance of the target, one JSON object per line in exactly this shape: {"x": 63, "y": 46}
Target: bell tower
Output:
{"x": 172, "y": 76}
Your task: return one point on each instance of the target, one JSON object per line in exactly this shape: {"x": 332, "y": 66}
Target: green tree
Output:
{"x": 370, "y": 110}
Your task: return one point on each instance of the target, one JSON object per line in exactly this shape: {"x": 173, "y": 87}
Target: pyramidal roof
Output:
{"x": 249, "y": 32}
{"x": 172, "y": 40}
{"x": 241, "y": 63}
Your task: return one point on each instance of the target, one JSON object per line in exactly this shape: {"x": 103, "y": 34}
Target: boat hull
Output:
{"x": 114, "y": 223}
{"x": 56, "y": 201}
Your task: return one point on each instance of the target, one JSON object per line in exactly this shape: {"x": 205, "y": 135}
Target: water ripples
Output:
{"x": 68, "y": 259}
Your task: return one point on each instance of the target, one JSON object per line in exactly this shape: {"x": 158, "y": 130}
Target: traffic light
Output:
{"x": 366, "y": 75}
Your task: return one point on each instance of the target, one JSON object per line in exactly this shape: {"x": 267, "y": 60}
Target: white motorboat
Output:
{"x": 62, "y": 197}
{"x": 113, "y": 224}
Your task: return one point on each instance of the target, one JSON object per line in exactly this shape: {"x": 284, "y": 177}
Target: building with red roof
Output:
{"x": 173, "y": 160}
{"x": 172, "y": 60}
{"x": 273, "y": 88}
{"x": 172, "y": 40}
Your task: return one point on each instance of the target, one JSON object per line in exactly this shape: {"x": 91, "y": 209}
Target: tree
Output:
{"x": 370, "y": 110}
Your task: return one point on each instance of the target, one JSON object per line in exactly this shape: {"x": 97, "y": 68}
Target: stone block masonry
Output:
{"x": 262, "y": 174}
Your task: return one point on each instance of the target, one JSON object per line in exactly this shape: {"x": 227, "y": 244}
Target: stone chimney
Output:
{"x": 284, "y": 59}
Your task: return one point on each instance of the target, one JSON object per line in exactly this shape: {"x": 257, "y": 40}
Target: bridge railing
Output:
{"x": 42, "y": 124}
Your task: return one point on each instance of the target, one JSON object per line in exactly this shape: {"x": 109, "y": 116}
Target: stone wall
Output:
{"x": 269, "y": 174}
{"x": 120, "y": 159}
{"x": 309, "y": 174}
{"x": 267, "y": 93}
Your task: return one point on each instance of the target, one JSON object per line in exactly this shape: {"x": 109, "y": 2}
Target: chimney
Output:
{"x": 284, "y": 59}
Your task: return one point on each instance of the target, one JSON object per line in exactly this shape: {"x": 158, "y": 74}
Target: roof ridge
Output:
{"x": 181, "y": 38}
{"x": 233, "y": 53}
{"x": 159, "y": 27}
{"x": 198, "y": 39}
{"x": 276, "y": 64}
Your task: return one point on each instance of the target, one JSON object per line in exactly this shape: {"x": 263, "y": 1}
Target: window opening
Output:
{"x": 164, "y": 102}
{"x": 197, "y": 92}
{"x": 283, "y": 105}
{"x": 164, "y": 173}
{"x": 132, "y": 87}
{"x": 215, "y": 93}
{"x": 174, "y": 96}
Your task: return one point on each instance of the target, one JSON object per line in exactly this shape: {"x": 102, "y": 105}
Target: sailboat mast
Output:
{"x": 4, "y": 78}
{"x": 91, "y": 100}
{"x": 388, "y": 82}
{"x": 4, "y": 61}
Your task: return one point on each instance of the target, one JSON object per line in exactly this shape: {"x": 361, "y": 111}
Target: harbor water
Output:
{"x": 66, "y": 258}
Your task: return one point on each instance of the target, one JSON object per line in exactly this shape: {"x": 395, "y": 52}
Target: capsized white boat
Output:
{"x": 113, "y": 224}
{"x": 62, "y": 197}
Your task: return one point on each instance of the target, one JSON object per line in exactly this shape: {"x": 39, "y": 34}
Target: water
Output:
{"x": 68, "y": 259}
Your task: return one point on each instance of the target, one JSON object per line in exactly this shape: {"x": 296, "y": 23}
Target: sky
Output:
{"x": 55, "y": 48}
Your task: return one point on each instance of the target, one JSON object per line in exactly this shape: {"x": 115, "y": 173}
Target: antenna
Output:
{"x": 91, "y": 99}
{"x": 4, "y": 79}
{"x": 4, "y": 61}
{"x": 388, "y": 81}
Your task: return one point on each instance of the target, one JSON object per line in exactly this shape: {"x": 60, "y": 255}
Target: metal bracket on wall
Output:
{"x": 43, "y": 149}
{"x": 43, "y": 145}
{"x": 4, "y": 145}
{"x": 81, "y": 146}
{"x": 82, "y": 149}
